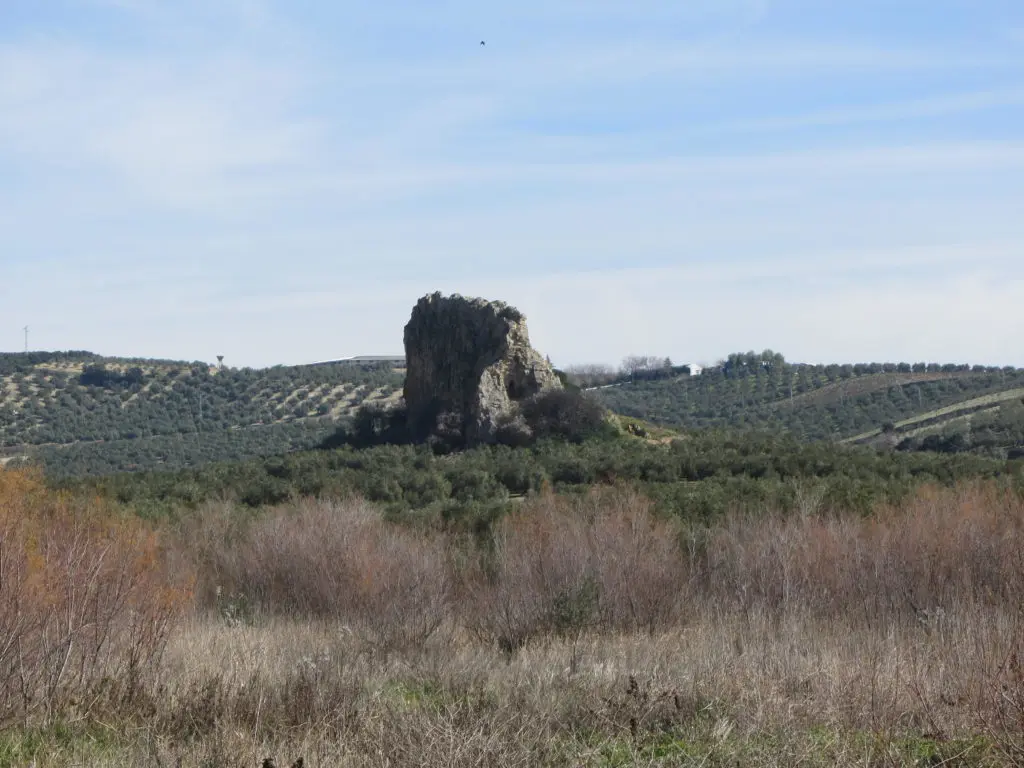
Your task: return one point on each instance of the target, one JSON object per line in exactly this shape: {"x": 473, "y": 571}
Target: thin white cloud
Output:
{"x": 558, "y": 66}
{"x": 184, "y": 136}
{"x": 222, "y": 135}
{"x": 938, "y": 106}
{"x": 251, "y": 14}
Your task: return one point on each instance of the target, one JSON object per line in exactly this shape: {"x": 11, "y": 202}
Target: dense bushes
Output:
{"x": 606, "y": 561}
{"x": 86, "y": 600}
{"x": 556, "y": 566}
{"x": 562, "y": 566}
{"x": 100, "y": 376}
{"x": 923, "y": 559}
{"x": 565, "y": 415}
{"x": 697, "y": 477}
{"x": 625, "y": 633}
{"x": 329, "y": 560}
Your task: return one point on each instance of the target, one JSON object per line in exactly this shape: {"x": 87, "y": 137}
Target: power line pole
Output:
{"x": 26, "y": 338}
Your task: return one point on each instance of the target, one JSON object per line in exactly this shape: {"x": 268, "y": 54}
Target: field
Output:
{"x": 80, "y": 414}
{"x": 940, "y": 417}
{"x": 848, "y": 403}
{"x": 585, "y": 630}
{"x": 77, "y": 414}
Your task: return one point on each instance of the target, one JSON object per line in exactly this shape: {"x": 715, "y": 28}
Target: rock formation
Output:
{"x": 468, "y": 364}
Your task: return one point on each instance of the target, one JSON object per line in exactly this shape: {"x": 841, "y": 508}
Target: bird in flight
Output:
{"x": 482, "y": 42}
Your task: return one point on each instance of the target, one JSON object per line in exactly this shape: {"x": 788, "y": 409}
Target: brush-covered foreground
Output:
{"x": 580, "y": 631}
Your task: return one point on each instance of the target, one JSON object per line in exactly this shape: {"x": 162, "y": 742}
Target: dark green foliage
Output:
{"x": 171, "y": 452}
{"x": 564, "y": 414}
{"x": 100, "y": 376}
{"x": 697, "y": 477}
{"x": 378, "y": 425}
{"x": 18, "y": 362}
{"x": 992, "y": 431}
{"x": 561, "y": 414}
{"x": 566, "y": 380}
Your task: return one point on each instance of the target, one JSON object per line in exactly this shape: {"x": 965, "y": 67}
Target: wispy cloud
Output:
{"x": 937, "y": 106}
{"x": 556, "y": 66}
{"x": 186, "y": 137}
{"x": 280, "y": 182}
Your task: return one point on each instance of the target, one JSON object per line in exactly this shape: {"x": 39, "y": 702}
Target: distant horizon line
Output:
{"x": 381, "y": 358}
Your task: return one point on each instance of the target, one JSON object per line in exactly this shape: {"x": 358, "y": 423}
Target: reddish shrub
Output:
{"x": 939, "y": 549}
{"x": 85, "y": 597}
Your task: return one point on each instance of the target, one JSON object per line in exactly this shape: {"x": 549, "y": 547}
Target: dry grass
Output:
{"x": 728, "y": 688}
{"x": 592, "y": 633}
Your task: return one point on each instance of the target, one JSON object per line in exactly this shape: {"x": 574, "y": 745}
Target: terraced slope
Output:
{"x": 80, "y": 414}
{"x": 815, "y": 402}
{"x": 83, "y": 414}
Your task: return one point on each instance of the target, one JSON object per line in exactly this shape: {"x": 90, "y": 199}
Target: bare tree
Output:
{"x": 633, "y": 364}
{"x": 590, "y": 374}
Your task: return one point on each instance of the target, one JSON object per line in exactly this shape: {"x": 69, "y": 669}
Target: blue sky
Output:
{"x": 278, "y": 182}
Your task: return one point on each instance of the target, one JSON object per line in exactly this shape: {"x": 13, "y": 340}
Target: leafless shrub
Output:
{"x": 919, "y": 562}
{"x": 590, "y": 374}
{"x": 86, "y": 602}
{"x": 562, "y": 566}
{"x": 339, "y": 559}
{"x": 889, "y": 639}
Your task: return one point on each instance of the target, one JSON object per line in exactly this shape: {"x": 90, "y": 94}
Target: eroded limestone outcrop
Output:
{"x": 468, "y": 364}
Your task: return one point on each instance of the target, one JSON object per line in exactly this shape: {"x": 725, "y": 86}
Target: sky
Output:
{"x": 278, "y": 181}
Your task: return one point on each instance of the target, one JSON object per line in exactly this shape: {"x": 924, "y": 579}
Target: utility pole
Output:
{"x": 26, "y": 338}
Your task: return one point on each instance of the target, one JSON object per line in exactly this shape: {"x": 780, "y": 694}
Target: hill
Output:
{"x": 834, "y": 402}
{"x": 80, "y": 413}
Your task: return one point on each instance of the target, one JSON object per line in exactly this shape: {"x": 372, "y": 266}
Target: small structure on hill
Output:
{"x": 469, "y": 364}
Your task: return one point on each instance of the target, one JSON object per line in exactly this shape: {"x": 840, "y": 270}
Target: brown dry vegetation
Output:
{"x": 86, "y": 603}
{"x": 587, "y": 632}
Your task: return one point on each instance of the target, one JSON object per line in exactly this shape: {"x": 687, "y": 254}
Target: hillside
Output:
{"x": 83, "y": 414}
{"x": 848, "y": 402}
{"x": 990, "y": 425}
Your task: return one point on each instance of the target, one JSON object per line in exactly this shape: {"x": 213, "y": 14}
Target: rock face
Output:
{"x": 468, "y": 364}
